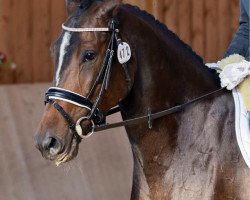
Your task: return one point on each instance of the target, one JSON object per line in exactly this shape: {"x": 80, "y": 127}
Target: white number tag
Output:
{"x": 124, "y": 52}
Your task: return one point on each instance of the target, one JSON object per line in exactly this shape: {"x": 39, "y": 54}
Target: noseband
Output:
{"x": 95, "y": 115}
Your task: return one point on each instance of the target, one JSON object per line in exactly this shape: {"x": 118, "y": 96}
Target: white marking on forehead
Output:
{"x": 63, "y": 47}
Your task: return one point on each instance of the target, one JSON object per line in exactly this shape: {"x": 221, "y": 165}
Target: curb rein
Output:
{"x": 98, "y": 118}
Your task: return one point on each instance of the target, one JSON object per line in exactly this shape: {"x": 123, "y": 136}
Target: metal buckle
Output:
{"x": 150, "y": 125}
{"x": 78, "y": 128}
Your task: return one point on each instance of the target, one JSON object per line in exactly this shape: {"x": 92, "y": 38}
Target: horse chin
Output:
{"x": 69, "y": 154}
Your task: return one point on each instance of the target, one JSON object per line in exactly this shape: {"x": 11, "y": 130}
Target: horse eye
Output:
{"x": 88, "y": 56}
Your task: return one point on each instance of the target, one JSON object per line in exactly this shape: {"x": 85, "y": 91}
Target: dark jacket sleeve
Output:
{"x": 240, "y": 43}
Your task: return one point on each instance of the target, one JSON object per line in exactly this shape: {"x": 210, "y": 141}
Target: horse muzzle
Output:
{"x": 50, "y": 146}
{"x": 95, "y": 117}
{"x": 55, "y": 149}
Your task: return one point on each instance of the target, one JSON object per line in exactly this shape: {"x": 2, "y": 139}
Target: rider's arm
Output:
{"x": 240, "y": 44}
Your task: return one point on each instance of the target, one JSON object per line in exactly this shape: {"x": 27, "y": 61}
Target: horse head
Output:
{"x": 89, "y": 77}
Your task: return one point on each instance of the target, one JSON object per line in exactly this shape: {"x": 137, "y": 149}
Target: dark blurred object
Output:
{"x": 6, "y": 69}
{"x": 3, "y": 58}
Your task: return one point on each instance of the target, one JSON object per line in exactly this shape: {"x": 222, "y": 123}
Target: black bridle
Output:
{"x": 97, "y": 117}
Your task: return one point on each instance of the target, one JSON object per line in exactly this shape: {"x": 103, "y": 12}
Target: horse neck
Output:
{"x": 168, "y": 72}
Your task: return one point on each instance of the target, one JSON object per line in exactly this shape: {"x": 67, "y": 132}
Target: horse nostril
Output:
{"x": 52, "y": 145}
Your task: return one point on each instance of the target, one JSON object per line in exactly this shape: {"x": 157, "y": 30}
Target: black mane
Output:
{"x": 163, "y": 29}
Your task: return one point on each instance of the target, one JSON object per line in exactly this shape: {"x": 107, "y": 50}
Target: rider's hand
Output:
{"x": 234, "y": 74}
{"x": 212, "y": 65}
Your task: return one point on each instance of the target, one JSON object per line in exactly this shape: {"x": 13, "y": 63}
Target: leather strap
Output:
{"x": 54, "y": 93}
{"x": 150, "y": 117}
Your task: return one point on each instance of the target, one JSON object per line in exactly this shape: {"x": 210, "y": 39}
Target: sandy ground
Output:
{"x": 102, "y": 170}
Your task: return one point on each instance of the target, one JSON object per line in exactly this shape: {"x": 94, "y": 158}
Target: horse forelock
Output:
{"x": 84, "y": 5}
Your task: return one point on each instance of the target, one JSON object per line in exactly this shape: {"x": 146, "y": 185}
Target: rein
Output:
{"x": 95, "y": 116}
{"x": 152, "y": 116}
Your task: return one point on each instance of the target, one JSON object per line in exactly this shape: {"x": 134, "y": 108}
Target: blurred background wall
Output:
{"x": 27, "y": 28}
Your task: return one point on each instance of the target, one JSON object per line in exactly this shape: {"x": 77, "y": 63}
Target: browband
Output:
{"x": 87, "y": 29}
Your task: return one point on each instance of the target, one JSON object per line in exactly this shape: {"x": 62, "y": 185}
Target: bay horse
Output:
{"x": 190, "y": 154}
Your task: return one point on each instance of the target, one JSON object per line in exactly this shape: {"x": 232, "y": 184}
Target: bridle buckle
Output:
{"x": 150, "y": 123}
{"x": 78, "y": 127}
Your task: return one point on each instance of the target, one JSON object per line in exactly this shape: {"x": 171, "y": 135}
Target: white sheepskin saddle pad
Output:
{"x": 242, "y": 126}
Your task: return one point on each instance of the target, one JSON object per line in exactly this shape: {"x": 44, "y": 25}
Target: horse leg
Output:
{"x": 140, "y": 188}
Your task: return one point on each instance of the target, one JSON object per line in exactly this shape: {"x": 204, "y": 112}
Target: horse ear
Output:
{"x": 107, "y": 7}
{"x": 71, "y": 5}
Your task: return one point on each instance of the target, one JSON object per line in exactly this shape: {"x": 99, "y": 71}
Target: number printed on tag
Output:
{"x": 124, "y": 52}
